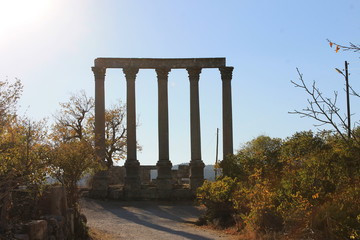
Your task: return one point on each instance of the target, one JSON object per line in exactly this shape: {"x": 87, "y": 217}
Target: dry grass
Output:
{"x": 97, "y": 234}
{"x": 246, "y": 234}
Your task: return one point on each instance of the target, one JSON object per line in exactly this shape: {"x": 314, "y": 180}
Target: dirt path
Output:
{"x": 147, "y": 220}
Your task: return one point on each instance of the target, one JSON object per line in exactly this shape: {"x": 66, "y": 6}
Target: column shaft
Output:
{"x": 226, "y": 76}
{"x": 132, "y": 165}
{"x": 164, "y": 165}
{"x": 194, "y": 75}
{"x": 196, "y": 164}
{"x": 99, "y": 112}
{"x": 130, "y": 74}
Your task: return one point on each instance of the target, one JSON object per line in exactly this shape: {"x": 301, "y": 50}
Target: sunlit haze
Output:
{"x": 51, "y": 46}
{"x": 17, "y": 14}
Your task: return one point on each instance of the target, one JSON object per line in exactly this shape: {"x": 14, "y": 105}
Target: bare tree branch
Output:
{"x": 320, "y": 108}
{"x": 352, "y": 47}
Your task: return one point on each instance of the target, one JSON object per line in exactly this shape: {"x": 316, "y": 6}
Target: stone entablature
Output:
{"x": 153, "y": 63}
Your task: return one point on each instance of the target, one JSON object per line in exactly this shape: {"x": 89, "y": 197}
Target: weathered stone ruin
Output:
{"x": 52, "y": 218}
{"x": 165, "y": 188}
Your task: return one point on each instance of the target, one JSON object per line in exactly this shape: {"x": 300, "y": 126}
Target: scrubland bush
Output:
{"x": 217, "y": 197}
{"x": 306, "y": 186}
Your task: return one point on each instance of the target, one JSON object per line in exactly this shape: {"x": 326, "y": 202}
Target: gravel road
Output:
{"x": 143, "y": 220}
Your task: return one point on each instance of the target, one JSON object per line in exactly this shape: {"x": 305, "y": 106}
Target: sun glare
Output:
{"x": 21, "y": 13}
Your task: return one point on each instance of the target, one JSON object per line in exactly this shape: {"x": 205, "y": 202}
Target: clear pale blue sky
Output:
{"x": 51, "y": 44}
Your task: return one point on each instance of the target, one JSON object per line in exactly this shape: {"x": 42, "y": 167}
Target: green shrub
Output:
{"x": 217, "y": 197}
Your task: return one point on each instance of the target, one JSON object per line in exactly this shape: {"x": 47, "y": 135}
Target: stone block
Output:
{"x": 85, "y": 194}
{"x": 100, "y": 184}
{"x": 182, "y": 194}
{"x": 149, "y": 193}
{"x": 132, "y": 193}
{"x": 116, "y": 194}
{"x": 56, "y": 226}
{"x": 58, "y": 200}
{"x": 53, "y": 201}
{"x": 37, "y": 230}
{"x": 164, "y": 184}
{"x": 164, "y": 194}
{"x": 116, "y": 175}
{"x": 98, "y": 193}
{"x": 71, "y": 220}
{"x": 100, "y": 181}
{"x": 145, "y": 176}
{"x": 183, "y": 171}
{"x": 21, "y": 236}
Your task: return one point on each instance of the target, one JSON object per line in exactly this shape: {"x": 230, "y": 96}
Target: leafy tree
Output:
{"x": 23, "y": 151}
{"x": 70, "y": 161}
{"x": 72, "y": 154}
{"x": 72, "y": 138}
{"x": 72, "y": 151}
{"x": 261, "y": 153}
{"x": 72, "y": 121}
{"x": 75, "y": 121}
{"x": 9, "y": 95}
{"x": 115, "y": 134}
{"x": 256, "y": 171}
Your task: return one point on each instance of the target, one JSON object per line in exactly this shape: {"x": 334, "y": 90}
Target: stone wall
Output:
{"x": 116, "y": 174}
{"x": 55, "y": 220}
{"x": 110, "y": 184}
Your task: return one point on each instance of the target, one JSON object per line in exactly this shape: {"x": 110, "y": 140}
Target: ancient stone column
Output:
{"x": 132, "y": 165}
{"x": 99, "y": 112}
{"x": 226, "y": 76}
{"x": 99, "y": 187}
{"x": 196, "y": 164}
{"x": 164, "y": 178}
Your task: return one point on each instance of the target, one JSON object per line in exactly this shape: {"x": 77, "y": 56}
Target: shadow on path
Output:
{"x": 152, "y": 215}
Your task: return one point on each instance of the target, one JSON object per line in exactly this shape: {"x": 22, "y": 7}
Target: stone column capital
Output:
{"x": 99, "y": 72}
{"x": 162, "y": 73}
{"x": 130, "y": 73}
{"x": 226, "y": 73}
{"x": 194, "y": 73}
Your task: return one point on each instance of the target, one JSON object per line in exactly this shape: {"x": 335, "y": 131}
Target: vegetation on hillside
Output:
{"x": 305, "y": 186}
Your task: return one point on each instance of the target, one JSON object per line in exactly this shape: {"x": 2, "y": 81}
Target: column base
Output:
{"x": 196, "y": 174}
{"x": 164, "y": 178}
{"x": 164, "y": 184}
{"x": 100, "y": 184}
{"x": 132, "y": 178}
